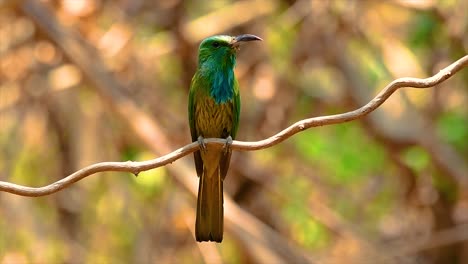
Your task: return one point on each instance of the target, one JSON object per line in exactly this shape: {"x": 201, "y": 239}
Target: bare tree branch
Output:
{"x": 137, "y": 167}
{"x": 378, "y": 100}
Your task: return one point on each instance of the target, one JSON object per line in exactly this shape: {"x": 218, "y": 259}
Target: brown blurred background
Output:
{"x": 85, "y": 81}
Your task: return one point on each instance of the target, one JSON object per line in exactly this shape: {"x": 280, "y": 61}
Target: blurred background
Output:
{"x": 85, "y": 81}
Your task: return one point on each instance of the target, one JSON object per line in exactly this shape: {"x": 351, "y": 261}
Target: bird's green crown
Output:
{"x": 218, "y": 49}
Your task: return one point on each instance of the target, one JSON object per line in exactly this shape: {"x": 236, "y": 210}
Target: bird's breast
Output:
{"x": 214, "y": 119}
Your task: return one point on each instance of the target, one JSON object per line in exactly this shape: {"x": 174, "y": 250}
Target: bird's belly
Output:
{"x": 214, "y": 120}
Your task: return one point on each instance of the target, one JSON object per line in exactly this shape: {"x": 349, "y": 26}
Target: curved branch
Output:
{"x": 137, "y": 167}
{"x": 378, "y": 100}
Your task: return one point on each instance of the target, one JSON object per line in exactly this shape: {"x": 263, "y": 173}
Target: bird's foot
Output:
{"x": 201, "y": 142}
{"x": 228, "y": 144}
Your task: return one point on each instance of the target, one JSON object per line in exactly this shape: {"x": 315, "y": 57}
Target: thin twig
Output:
{"x": 137, "y": 167}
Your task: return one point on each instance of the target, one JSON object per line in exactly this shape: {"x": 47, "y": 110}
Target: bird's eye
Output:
{"x": 216, "y": 44}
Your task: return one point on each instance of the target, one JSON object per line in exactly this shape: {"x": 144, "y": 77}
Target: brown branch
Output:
{"x": 137, "y": 167}
{"x": 378, "y": 100}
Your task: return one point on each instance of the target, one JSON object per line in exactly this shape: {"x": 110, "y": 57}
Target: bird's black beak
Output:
{"x": 236, "y": 41}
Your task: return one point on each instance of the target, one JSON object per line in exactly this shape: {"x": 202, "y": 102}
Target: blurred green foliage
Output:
{"x": 380, "y": 179}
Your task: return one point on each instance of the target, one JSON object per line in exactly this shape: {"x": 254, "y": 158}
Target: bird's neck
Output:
{"x": 222, "y": 79}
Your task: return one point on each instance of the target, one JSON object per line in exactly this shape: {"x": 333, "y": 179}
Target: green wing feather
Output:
{"x": 226, "y": 156}
{"x": 193, "y": 131}
{"x": 237, "y": 106}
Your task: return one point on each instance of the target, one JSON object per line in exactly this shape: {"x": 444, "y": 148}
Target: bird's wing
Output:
{"x": 236, "y": 110}
{"x": 193, "y": 132}
{"x": 226, "y": 156}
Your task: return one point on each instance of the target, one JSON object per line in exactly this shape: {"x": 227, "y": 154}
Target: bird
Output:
{"x": 213, "y": 110}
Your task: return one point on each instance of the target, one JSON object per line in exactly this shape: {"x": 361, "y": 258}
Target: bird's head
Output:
{"x": 221, "y": 49}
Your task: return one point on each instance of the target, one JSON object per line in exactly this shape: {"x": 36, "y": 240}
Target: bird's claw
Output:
{"x": 201, "y": 142}
{"x": 228, "y": 144}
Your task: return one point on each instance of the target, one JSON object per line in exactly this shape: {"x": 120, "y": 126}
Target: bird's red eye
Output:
{"x": 216, "y": 44}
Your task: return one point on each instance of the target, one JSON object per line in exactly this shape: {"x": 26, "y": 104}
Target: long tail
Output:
{"x": 209, "y": 223}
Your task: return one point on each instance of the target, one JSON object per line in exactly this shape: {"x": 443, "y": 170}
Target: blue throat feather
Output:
{"x": 222, "y": 88}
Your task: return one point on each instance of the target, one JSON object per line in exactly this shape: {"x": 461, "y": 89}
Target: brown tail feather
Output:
{"x": 209, "y": 222}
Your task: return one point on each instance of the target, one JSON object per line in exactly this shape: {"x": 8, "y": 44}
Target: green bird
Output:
{"x": 213, "y": 108}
